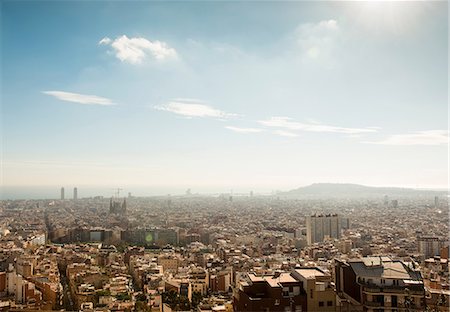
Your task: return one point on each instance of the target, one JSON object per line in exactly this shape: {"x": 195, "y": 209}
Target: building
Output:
{"x": 317, "y": 284}
{"x": 345, "y": 246}
{"x": 395, "y": 203}
{"x": 75, "y": 193}
{"x": 199, "y": 279}
{"x": 380, "y": 284}
{"x": 221, "y": 281}
{"x": 166, "y": 236}
{"x": 276, "y": 292}
{"x": 429, "y": 246}
{"x": 117, "y": 207}
{"x": 169, "y": 263}
{"x": 319, "y": 227}
{"x": 62, "y": 193}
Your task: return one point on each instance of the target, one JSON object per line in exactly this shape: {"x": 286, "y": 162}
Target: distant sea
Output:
{"x": 54, "y": 192}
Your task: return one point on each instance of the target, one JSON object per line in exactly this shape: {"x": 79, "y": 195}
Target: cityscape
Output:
{"x": 227, "y": 253}
{"x": 224, "y": 156}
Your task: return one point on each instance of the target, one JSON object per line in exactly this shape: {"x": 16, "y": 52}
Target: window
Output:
{"x": 330, "y": 303}
{"x": 394, "y": 301}
{"x": 321, "y": 303}
{"x": 311, "y": 293}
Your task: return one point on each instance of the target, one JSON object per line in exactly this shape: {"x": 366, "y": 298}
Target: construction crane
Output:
{"x": 117, "y": 191}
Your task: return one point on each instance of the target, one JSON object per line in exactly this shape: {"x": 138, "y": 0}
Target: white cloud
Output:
{"x": 285, "y": 133}
{"x": 281, "y": 122}
{"x": 135, "y": 50}
{"x": 193, "y": 108}
{"x": 80, "y": 98}
{"x": 244, "y": 130}
{"x": 326, "y": 128}
{"x": 105, "y": 40}
{"x": 287, "y": 123}
{"x": 428, "y": 137}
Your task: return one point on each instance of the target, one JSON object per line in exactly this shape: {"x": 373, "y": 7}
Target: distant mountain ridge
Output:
{"x": 356, "y": 190}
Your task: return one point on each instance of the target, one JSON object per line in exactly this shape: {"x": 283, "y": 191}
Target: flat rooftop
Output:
{"x": 273, "y": 280}
{"x": 310, "y": 273}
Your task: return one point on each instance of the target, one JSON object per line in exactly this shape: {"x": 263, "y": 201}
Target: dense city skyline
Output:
{"x": 224, "y": 156}
{"x": 143, "y": 94}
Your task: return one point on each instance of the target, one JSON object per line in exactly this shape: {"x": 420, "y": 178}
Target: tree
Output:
{"x": 196, "y": 299}
{"x": 141, "y": 297}
{"x": 409, "y": 301}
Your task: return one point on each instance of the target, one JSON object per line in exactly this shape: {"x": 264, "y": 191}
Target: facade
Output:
{"x": 380, "y": 284}
{"x": 277, "y": 292}
{"x": 317, "y": 284}
{"x": 319, "y": 227}
{"x": 62, "y": 193}
{"x": 117, "y": 207}
{"x": 221, "y": 281}
{"x": 169, "y": 263}
{"x": 158, "y": 237}
{"x": 429, "y": 246}
{"x": 75, "y": 193}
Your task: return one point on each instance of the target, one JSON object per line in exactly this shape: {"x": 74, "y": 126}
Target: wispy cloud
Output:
{"x": 135, "y": 50}
{"x": 80, "y": 98}
{"x": 285, "y": 133}
{"x": 244, "y": 130}
{"x": 193, "y": 108}
{"x": 281, "y": 122}
{"x": 427, "y": 137}
{"x": 288, "y": 123}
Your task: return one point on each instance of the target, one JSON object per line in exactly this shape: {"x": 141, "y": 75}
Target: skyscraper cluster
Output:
{"x": 75, "y": 193}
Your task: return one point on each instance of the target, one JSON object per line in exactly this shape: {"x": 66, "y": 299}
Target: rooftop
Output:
{"x": 310, "y": 273}
{"x": 273, "y": 280}
{"x": 383, "y": 267}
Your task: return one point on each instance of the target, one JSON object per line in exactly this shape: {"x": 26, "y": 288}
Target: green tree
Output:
{"x": 196, "y": 299}
{"x": 141, "y": 297}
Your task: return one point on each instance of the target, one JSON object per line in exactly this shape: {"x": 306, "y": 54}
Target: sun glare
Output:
{"x": 386, "y": 16}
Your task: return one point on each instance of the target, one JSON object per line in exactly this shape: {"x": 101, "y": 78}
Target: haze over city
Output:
{"x": 224, "y": 156}
{"x": 246, "y": 96}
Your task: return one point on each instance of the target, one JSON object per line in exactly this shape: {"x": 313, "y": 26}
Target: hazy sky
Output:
{"x": 219, "y": 96}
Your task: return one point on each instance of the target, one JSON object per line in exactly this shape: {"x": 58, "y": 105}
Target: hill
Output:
{"x": 357, "y": 191}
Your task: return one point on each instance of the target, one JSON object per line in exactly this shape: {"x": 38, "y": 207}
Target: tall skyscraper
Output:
{"x": 62, "y": 193}
{"x": 75, "y": 193}
{"x": 320, "y": 226}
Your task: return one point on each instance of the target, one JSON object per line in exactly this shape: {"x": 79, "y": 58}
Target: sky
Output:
{"x": 218, "y": 96}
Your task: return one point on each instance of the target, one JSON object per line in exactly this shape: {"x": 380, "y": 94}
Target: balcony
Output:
{"x": 412, "y": 289}
{"x": 373, "y": 304}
